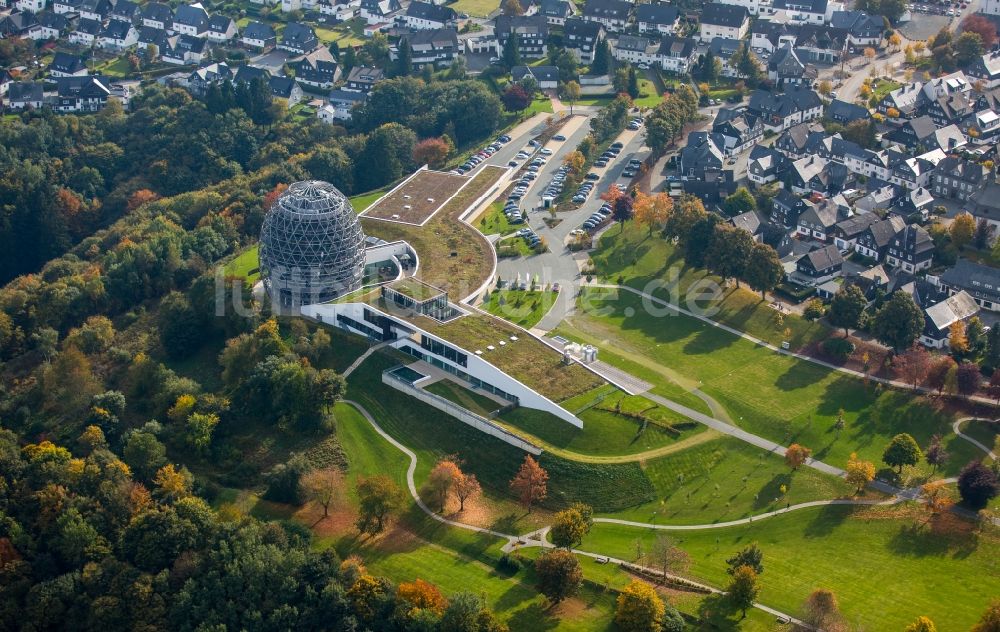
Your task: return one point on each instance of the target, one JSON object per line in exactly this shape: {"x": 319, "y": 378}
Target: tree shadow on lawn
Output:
{"x": 800, "y": 374}
{"x": 716, "y": 612}
{"x": 827, "y": 520}
{"x": 770, "y": 493}
{"x": 941, "y": 535}
{"x": 534, "y": 616}
{"x": 708, "y": 340}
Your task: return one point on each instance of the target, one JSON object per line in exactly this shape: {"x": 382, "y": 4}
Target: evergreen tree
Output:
{"x": 404, "y": 61}
{"x": 633, "y": 83}
{"x": 511, "y": 55}
{"x": 602, "y": 59}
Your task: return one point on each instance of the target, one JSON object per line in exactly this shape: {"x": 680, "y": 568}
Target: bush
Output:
{"x": 509, "y": 564}
{"x": 814, "y": 309}
{"x": 838, "y": 348}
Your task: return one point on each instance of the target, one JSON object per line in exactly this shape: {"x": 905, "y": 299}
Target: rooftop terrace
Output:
{"x": 417, "y": 199}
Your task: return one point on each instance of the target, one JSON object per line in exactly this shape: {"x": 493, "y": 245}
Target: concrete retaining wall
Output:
{"x": 465, "y": 416}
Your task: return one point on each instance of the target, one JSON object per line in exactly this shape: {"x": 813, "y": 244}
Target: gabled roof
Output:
{"x": 555, "y": 8}
{"x": 633, "y": 43}
{"x": 117, "y": 29}
{"x": 824, "y": 258}
{"x": 281, "y": 86}
{"x": 703, "y": 150}
{"x": 158, "y": 12}
{"x": 526, "y": 24}
{"x": 192, "y": 15}
{"x": 614, "y": 9}
{"x": 64, "y": 62}
{"x": 724, "y": 47}
{"x": 855, "y": 225}
{"x": 101, "y": 7}
{"x": 90, "y": 27}
{"x": 258, "y": 31}
{"x": 578, "y": 28}
{"x": 51, "y": 20}
{"x": 219, "y": 23}
{"x": 785, "y": 61}
{"x": 766, "y": 158}
{"x": 749, "y": 221}
{"x": 152, "y": 35}
{"x": 297, "y": 34}
{"x": 955, "y": 308}
{"x": 811, "y": 6}
{"x": 679, "y": 47}
{"x": 246, "y": 74}
{"x": 858, "y": 23}
{"x": 83, "y": 87}
{"x": 659, "y": 13}
{"x": 212, "y": 72}
{"x": 729, "y": 15}
{"x": 431, "y": 12}
{"x": 882, "y": 232}
{"x": 825, "y": 213}
{"x": 435, "y": 38}
{"x": 364, "y": 74}
{"x": 125, "y": 9}
{"x": 540, "y": 73}
{"x": 970, "y": 275}
{"x": 24, "y": 91}
{"x": 17, "y": 23}
{"x": 962, "y": 169}
{"x": 346, "y": 97}
{"x": 914, "y": 239}
{"x": 795, "y": 99}
{"x": 844, "y": 111}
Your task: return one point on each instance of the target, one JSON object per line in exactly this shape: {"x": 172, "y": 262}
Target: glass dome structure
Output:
{"x": 312, "y": 248}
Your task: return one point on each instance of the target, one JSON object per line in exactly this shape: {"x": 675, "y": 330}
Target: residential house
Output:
{"x": 52, "y": 26}
{"x": 878, "y": 199}
{"x": 556, "y": 12}
{"x": 200, "y": 80}
{"x": 612, "y": 14}
{"x": 862, "y": 30}
{"x": 786, "y": 208}
{"x": 152, "y": 41}
{"x": 874, "y": 241}
{"x": 425, "y": 15}
{"x": 124, "y": 10}
{"x": 986, "y": 69}
{"x": 5, "y": 82}
{"x": 157, "y": 15}
{"x": 980, "y": 281}
{"x": 723, "y": 49}
{"x": 439, "y": 46}
{"x": 259, "y": 36}
{"x": 118, "y": 35}
{"x": 676, "y": 54}
{"x": 341, "y": 104}
{"x": 800, "y": 140}
{"x": 818, "y": 220}
{"x": 24, "y": 94}
{"x": 86, "y": 33}
{"x": 81, "y": 94}
{"x": 846, "y": 232}
{"x": 984, "y": 127}
{"x": 657, "y": 17}
{"x": 184, "y": 50}
{"x": 740, "y": 129}
{"x": 781, "y": 111}
{"x": 298, "y": 39}
{"x": 765, "y": 164}
{"x": 340, "y": 10}
{"x": 190, "y": 19}
{"x": 750, "y": 222}
{"x": 939, "y": 318}
{"x": 785, "y": 68}
{"x": 913, "y": 133}
{"x": 902, "y": 100}
{"x": 66, "y": 65}
{"x": 531, "y": 33}
{"x": 30, "y": 6}
{"x": 582, "y": 37}
{"x": 770, "y": 35}
{"x": 817, "y": 12}
{"x": 247, "y": 74}
{"x": 221, "y": 28}
{"x": 819, "y": 265}
{"x": 916, "y": 202}
{"x": 959, "y": 179}
{"x": 636, "y": 49}
{"x": 95, "y": 9}
{"x": 845, "y": 113}
{"x": 754, "y": 7}
{"x": 286, "y": 89}
{"x": 379, "y": 11}
{"x": 985, "y": 205}
{"x": 704, "y": 151}
{"x": 363, "y": 79}
{"x": 723, "y": 20}
{"x": 547, "y": 77}
{"x": 19, "y": 24}
{"x": 317, "y": 69}
{"x": 912, "y": 250}
{"x": 66, "y": 6}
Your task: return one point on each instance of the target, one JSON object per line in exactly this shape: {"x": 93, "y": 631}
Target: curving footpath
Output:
{"x": 957, "y": 427}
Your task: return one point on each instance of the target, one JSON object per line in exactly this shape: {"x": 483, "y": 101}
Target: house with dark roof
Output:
{"x": 750, "y": 222}
{"x": 18, "y": 24}
{"x": 819, "y": 265}
{"x": 286, "y": 89}
{"x": 259, "y": 36}
{"x": 958, "y": 178}
{"x": 817, "y": 221}
{"x": 874, "y": 241}
{"x": 582, "y": 36}
{"x": 157, "y": 15}
{"x": 635, "y": 49}
{"x": 783, "y": 110}
{"x": 199, "y": 81}
{"x": 124, "y": 10}
{"x": 81, "y": 94}
{"x": 95, "y": 9}
{"x": 913, "y": 132}
{"x": 913, "y": 205}
{"x": 765, "y": 164}
{"x": 785, "y": 68}
{"x": 902, "y": 100}
{"x": 430, "y": 47}
{"x": 704, "y": 151}
{"x": 657, "y": 17}
{"x": 221, "y": 28}
{"x": 317, "y": 69}
{"x": 425, "y": 15}
{"x": 786, "y": 208}
{"x": 612, "y": 14}
{"x": 341, "y": 105}
{"x": 66, "y": 65}
{"x": 800, "y": 140}
{"x": 247, "y": 74}
{"x": 556, "y": 12}
{"x": 862, "y": 29}
{"x": 846, "y": 232}
{"x": 52, "y": 26}
{"x": 911, "y": 250}
{"x": 86, "y": 32}
{"x": 814, "y": 174}
{"x": 118, "y": 35}
{"x": 986, "y": 69}
{"x": 820, "y": 44}
{"x": 727, "y": 21}
{"x": 546, "y": 77}
{"x": 24, "y": 94}
{"x": 363, "y": 79}
{"x": 981, "y": 282}
{"x": 185, "y": 49}
{"x": 298, "y": 38}
{"x": 191, "y": 19}
{"x": 379, "y": 11}
{"x": 844, "y": 113}
{"x": 939, "y": 318}
{"x": 340, "y": 10}
{"x": 158, "y": 39}
{"x": 806, "y": 11}
{"x": 531, "y": 33}
{"x": 985, "y": 205}
{"x": 66, "y": 6}
{"x": 676, "y": 54}
{"x": 740, "y": 129}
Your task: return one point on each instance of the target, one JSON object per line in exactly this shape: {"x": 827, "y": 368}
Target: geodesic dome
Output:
{"x": 311, "y": 245}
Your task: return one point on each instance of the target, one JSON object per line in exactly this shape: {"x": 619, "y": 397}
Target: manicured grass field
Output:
{"x": 245, "y": 265}
{"x": 648, "y": 96}
{"x": 476, "y": 8}
{"x": 521, "y": 307}
{"x": 494, "y": 221}
{"x": 467, "y": 398}
{"x": 776, "y": 396}
{"x": 884, "y": 565}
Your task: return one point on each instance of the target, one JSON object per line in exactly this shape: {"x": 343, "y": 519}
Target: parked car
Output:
{"x": 559, "y": 137}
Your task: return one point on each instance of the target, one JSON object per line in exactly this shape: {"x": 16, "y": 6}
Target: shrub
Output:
{"x": 509, "y": 564}
{"x": 814, "y": 309}
{"x": 838, "y": 348}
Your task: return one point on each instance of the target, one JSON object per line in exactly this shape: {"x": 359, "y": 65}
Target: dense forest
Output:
{"x": 127, "y": 404}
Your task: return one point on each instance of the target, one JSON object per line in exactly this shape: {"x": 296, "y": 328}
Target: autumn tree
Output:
{"x": 969, "y": 378}
{"x": 530, "y": 484}
{"x": 515, "y": 98}
{"x": 638, "y": 608}
{"x": 432, "y": 152}
{"x": 378, "y": 498}
{"x": 846, "y": 308}
{"x": 466, "y": 488}
{"x": 559, "y": 574}
{"x": 938, "y": 374}
{"x": 666, "y": 556}
{"x": 743, "y": 589}
{"x": 322, "y": 486}
{"x": 796, "y": 455}
{"x": 571, "y": 525}
{"x": 825, "y": 87}
{"x": 652, "y": 211}
{"x": 912, "y": 367}
{"x": 983, "y": 27}
{"x": 978, "y": 485}
{"x": 902, "y": 450}
{"x": 859, "y": 473}
{"x": 688, "y": 211}
{"x": 823, "y": 611}
{"x": 442, "y": 479}
{"x": 422, "y": 596}
{"x": 173, "y": 484}
{"x": 570, "y": 91}
{"x": 935, "y": 496}
{"x": 958, "y": 342}
{"x": 962, "y": 229}
{"x": 936, "y": 455}
{"x": 763, "y": 270}
{"x": 512, "y": 7}
{"x": 750, "y": 555}
{"x": 990, "y": 621}
{"x": 922, "y": 624}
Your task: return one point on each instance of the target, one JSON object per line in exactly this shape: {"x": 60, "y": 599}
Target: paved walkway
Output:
{"x": 957, "y": 427}
{"x": 363, "y": 357}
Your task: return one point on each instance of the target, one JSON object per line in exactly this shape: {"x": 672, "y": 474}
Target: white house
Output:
{"x": 31, "y": 6}
{"x": 118, "y": 35}
{"x": 221, "y": 28}
{"x": 426, "y": 16}
{"x": 191, "y": 19}
{"x": 86, "y": 33}
{"x": 723, "y": 20}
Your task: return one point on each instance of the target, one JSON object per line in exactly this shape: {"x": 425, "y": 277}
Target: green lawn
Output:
{"x": 648, "y": 96}
{"x": 513, "y": 247}
{"x": 884, "y": 571}
{"x": 494, "y": 221}
{"x": 985, "y": 432}
{"x": 882, "y": 87}
{"x": 769, "y": 394}
{"x": 476, "y": 8}
{"x": 245, "y": 266}
{"x": 465, "y": 397}
{"x": 521, "y": 307}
